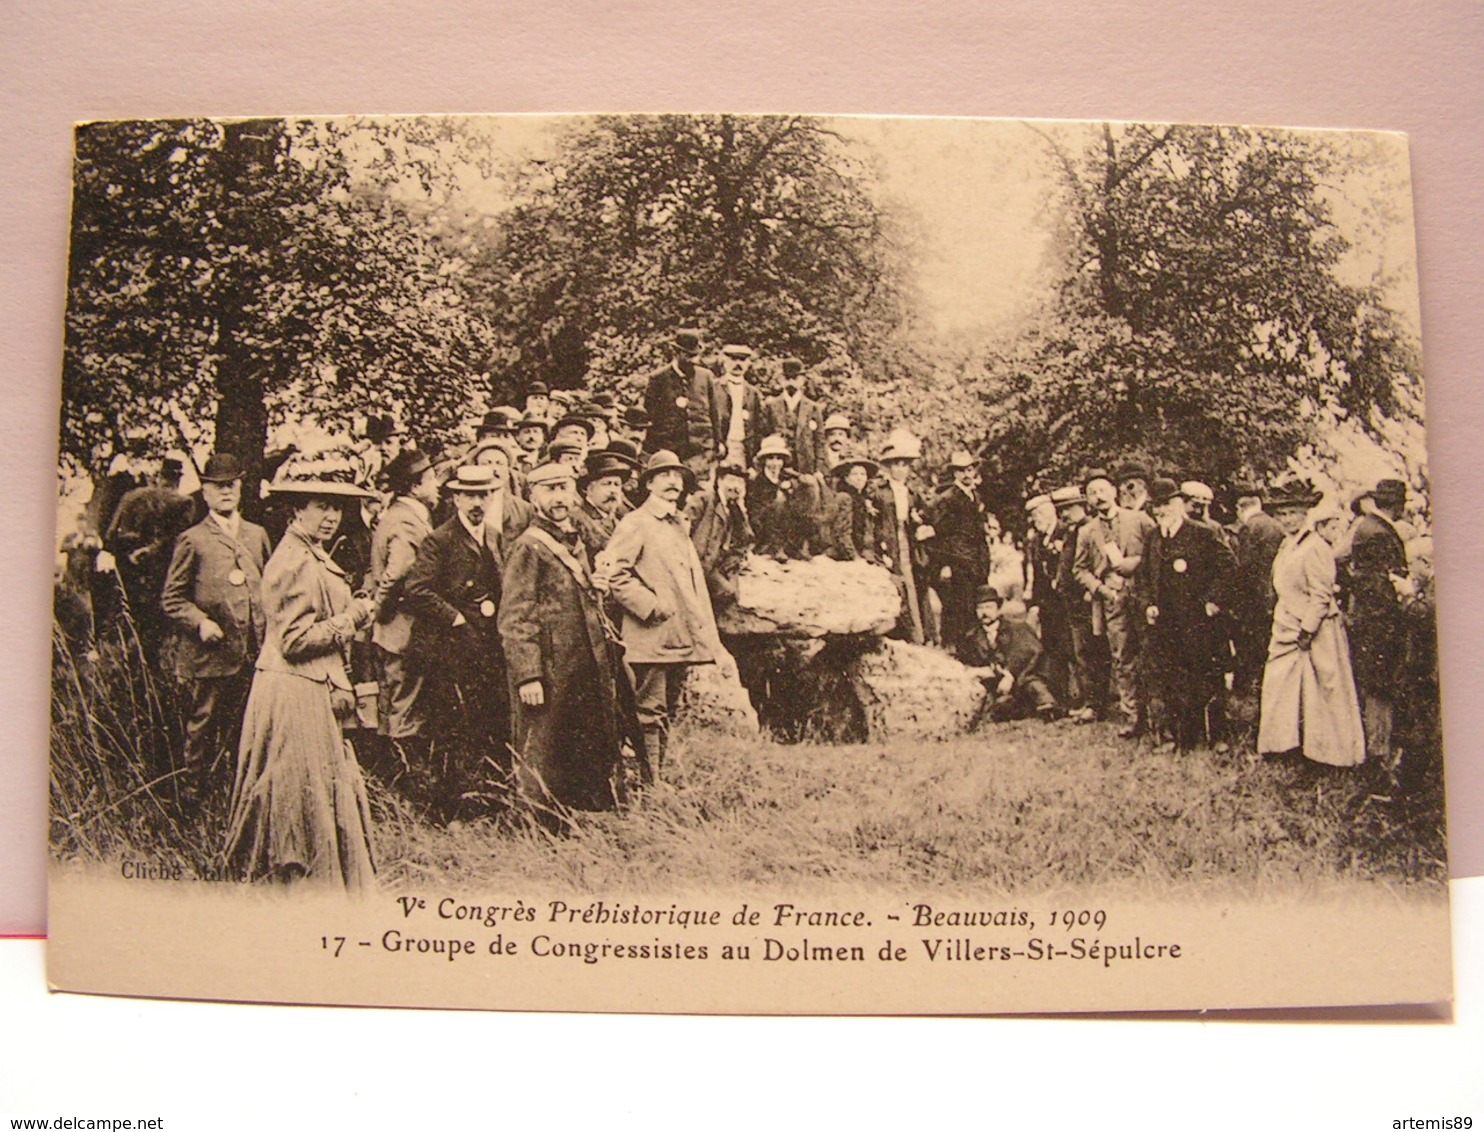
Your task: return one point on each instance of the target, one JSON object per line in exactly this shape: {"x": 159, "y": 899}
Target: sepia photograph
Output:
{"x": 745, "y": 564}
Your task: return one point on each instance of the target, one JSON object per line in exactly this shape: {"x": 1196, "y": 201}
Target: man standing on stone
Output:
{"x": 213, "y": 592}
{"x": 678, "y": 399}
{"x": 797, "y": 418}
{"x": 453, "y": 590}
{"x": 1378, "y": 564}
{"x": 737, "y": 411}
{"x": 1110, "y": 547}
{"x": 563, "y": 673}
{"x": 656, "y": 575}
{"x": 400, "y": 531}
{"x": 960, "y": 550}
{"x": 903, "y": 533}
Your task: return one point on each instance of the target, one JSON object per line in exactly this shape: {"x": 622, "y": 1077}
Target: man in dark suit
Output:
{"x": 1184, "y": 585}
{"x": 1377, "y": 624}
{"x": 960, "y": 551}
{"x": 400, "y": 533}
{"x": 797, "y": 418}
{"x": 564, "y": 672}
{"x": 213, "y": 592}
{"x": 722, "y": 531}
{"x": 1044, "y": 545}
{"x": 678, "y": 399}
{"x": 453, "y": 590}
{"x": 1088, "y": 690}
{"x": 1011, "y": 662}
{"x": 1255, "y": 540}
{"x": 737, "y": 408}
{"x": 601, "y": 485}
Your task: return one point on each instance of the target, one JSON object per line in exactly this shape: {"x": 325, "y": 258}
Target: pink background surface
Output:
{"x": 1374, "y": 64}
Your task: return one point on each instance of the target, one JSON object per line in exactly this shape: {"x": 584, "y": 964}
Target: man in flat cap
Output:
{"x": 563, "y": 673}
{"x": 213, "y": 592}
{"x": 679, "y": 399}
{"x": 1377, "y": 623}
{"x": 1184, "y": 587}
{"x": 960, "y": 550}
{"x": 400, "y": 532}
{"x": 453, "y": 590}
{"x": 656, "y": 576}
{"x": 737, "y": 408}
{"x": 796, "y": 417}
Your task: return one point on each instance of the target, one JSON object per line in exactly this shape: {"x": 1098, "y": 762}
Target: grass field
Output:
{"x": 1015, "y": 807}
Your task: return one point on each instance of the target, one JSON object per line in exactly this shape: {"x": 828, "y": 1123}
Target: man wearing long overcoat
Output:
{"x": 563, "y": 674}
{"x": 1256, "y": 539}
{"x": 960, "y": 551}
{"x": 1185, "y": 585}
{"x": 213, "y": 592}
{"x": 796, "y": 417}
{"x": 454, "y": 592}
{"x": 902, "y": 535}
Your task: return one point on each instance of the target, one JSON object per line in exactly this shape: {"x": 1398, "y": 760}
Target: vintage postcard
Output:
{"x": 724, "y": 563}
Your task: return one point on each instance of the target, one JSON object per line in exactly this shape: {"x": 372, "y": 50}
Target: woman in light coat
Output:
{"x": 1309, "y": 702}
{"x": 299, "y": 808}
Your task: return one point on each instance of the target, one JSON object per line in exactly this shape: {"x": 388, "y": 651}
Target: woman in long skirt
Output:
{"x": 299, "y": 809}
{"x": 1308, "y": 688}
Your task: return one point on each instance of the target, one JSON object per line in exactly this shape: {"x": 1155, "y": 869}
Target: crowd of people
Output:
{"x": 511, "y": 623}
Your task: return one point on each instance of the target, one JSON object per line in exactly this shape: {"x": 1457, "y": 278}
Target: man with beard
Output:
{"x": 1185, "y": 585}
{"x": 737, "y": 407}
{"x": 678, "y": 400}
{"x": 960, "y": 550}
{"x": 530, "y": 438}
{"x": 1009, "y": 659}
{"x": 601, "y": 484}
{"x": 453, "y": 590}
{"x": 657, "y": 577}
{"x": 1110, "y": 547}
{"x": 213, "y": 592}
{"x": 564, "y": 675}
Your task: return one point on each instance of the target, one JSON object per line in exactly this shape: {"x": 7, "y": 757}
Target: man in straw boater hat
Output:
{"x": 656, "y": 575}
{"x": 678, "y": 399}
{"x": 564, "y": 672}
{"x": 903, "y": 533}
{"x": 960, "y": 550}
{"x": 453, "y": 590}
{"x": 400, "y": 532}
{"x": 1378, "y": 627}
{"x": 1183, "y": 588}
{"x": 213, "y": 592}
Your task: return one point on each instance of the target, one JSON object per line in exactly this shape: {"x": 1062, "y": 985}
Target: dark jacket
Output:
{"x": 214, "y": 576}
{"x": 455, "y": 576}
{"x": 753, "y": 419}
{"x": 800, "y": 426}
{"x": 680, "y": 405}
{"x": 959, "y": 542}
{"x": 723, "y": 538}
{"x": 1179, "y": 576}
{"x": 1376, "y": 621}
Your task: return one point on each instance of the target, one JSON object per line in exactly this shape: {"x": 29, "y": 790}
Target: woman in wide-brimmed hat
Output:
{"x": 299, "y": 809}
{"x": 1309, "y": 703}
{"x": 855, "y": 526}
